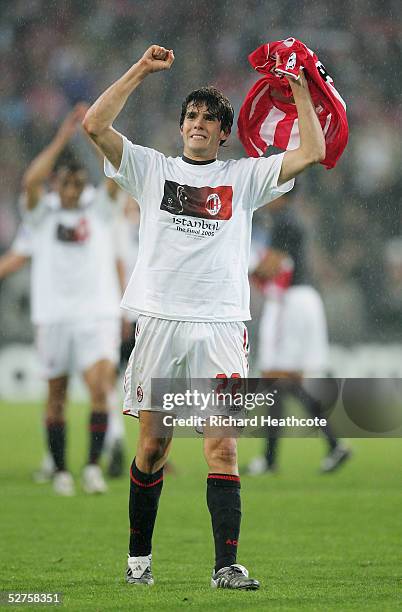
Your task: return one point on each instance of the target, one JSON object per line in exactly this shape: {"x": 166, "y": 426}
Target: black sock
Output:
{"x": 270, "y": 450}
{"x": 56, "y": 438}
{"x": 276, "y": 412}
{"x": 313, "y": 406}
{"x": 145, "y": 491}
{"x": 223, "y": 499}
{"x": 97, "y": 432}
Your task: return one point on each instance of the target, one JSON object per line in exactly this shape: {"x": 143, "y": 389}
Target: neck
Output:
{"x": 70, "y": 206}
{"x": 199, "y": 157}
{"x": 197, "y": 162}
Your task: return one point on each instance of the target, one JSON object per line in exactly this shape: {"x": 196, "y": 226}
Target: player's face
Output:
{"x": 70, "y": 186}
{"x": 201, "y": 133}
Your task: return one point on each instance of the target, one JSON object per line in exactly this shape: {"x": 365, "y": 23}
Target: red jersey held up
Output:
{"x": 265, "y": 119}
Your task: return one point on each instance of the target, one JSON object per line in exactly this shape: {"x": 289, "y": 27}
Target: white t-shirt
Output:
{"x": 74, "y": 274}
{"x": 195, "y": 229}
{"x": 125, "y": 232}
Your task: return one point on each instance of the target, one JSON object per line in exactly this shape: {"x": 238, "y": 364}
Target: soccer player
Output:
{"x": 74, "y": 296}
{"x": 190, "y": 285}
{"x": 293, "y": 340}
{"x": 18, "y": 255}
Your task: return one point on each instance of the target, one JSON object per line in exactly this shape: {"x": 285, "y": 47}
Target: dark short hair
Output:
{"x": 69, "y": 162}
{"x": 71, "y": 166}
{"x": 216, "y": 103}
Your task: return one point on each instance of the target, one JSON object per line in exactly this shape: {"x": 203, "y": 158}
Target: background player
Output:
{"x": 191, "y": 290}
{"x": 75, "y": 295}
{"x": 293, "y": 339}
{"x": 18, "y": 255}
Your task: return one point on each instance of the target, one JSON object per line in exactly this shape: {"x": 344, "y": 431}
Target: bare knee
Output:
{"x": 55, "y": 410}
{"x": 152, "y": 453}
{"x": 99, "y": 379}
{"x": 99, "y": 396}
{"x": 221, "y": 454}
{"x": 56, "y": 399}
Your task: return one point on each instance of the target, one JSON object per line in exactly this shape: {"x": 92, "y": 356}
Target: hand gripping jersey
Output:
{"x": 195, "y": 229}
{"x": 268, "y": 117}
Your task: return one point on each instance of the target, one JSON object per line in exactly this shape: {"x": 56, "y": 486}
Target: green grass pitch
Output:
{"x": 316, "y": 543}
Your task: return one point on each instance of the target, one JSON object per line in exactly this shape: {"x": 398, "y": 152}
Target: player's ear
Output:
{"x": 224, "y": 135}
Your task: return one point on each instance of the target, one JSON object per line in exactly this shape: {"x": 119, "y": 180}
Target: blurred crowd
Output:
{"x": 54, "y": 54}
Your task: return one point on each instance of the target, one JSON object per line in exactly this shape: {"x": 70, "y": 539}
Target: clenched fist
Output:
{"x": 157, "y": 58}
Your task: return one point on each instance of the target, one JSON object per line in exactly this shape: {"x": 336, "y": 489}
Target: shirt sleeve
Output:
{"x": 264, "y": 180}
{"x": 36, "y": 215}
{"x": 135, "y": 162}
{"x": 22, "y": 243}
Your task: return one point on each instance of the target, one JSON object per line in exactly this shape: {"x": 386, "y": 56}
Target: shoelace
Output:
{"x": 233, "y": 577}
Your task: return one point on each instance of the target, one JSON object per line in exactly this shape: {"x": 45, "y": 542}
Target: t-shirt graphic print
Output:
{"x": 202, "y": 202}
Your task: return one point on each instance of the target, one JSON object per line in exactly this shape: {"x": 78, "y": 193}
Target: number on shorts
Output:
{"x": 225, "y": 381}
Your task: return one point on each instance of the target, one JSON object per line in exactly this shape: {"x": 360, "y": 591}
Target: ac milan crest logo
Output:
{"x": 291, "y": 63}
{"x": 140, "y": 394}
{"x": 213, "y": 204}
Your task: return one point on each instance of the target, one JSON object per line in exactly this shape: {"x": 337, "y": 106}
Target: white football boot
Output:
{"x": 46, "y": 471}
{"x": 234, "y": 577}
{"x": 335, "y": 458}
{"x": 139, "y": 570}
{"x": 63, "y": 484}
{"x": 92, "y": 480}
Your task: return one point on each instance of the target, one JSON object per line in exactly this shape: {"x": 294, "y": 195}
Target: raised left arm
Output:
{"x": 312, "y": 142}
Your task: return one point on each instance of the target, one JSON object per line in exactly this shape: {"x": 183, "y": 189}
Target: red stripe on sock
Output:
{"x": 143, "y": 484}
{"x": 98, "y": 428}
{"x": 225, "y": 477}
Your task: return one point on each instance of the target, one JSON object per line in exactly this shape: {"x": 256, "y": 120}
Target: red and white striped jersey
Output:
{"x": 269, "y": 117}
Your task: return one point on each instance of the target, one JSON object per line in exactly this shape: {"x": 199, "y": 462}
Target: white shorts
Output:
{"x": 65, "y": 347}
{"x": 181, "y": 349}
{"x": 293, "y": 333}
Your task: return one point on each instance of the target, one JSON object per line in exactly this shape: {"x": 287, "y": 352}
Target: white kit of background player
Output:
{"x": 75, "y": 295}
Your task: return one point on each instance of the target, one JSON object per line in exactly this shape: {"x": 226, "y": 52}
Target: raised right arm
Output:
{"x": 42, "y": 166}
{"x": 98, "y": 121}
